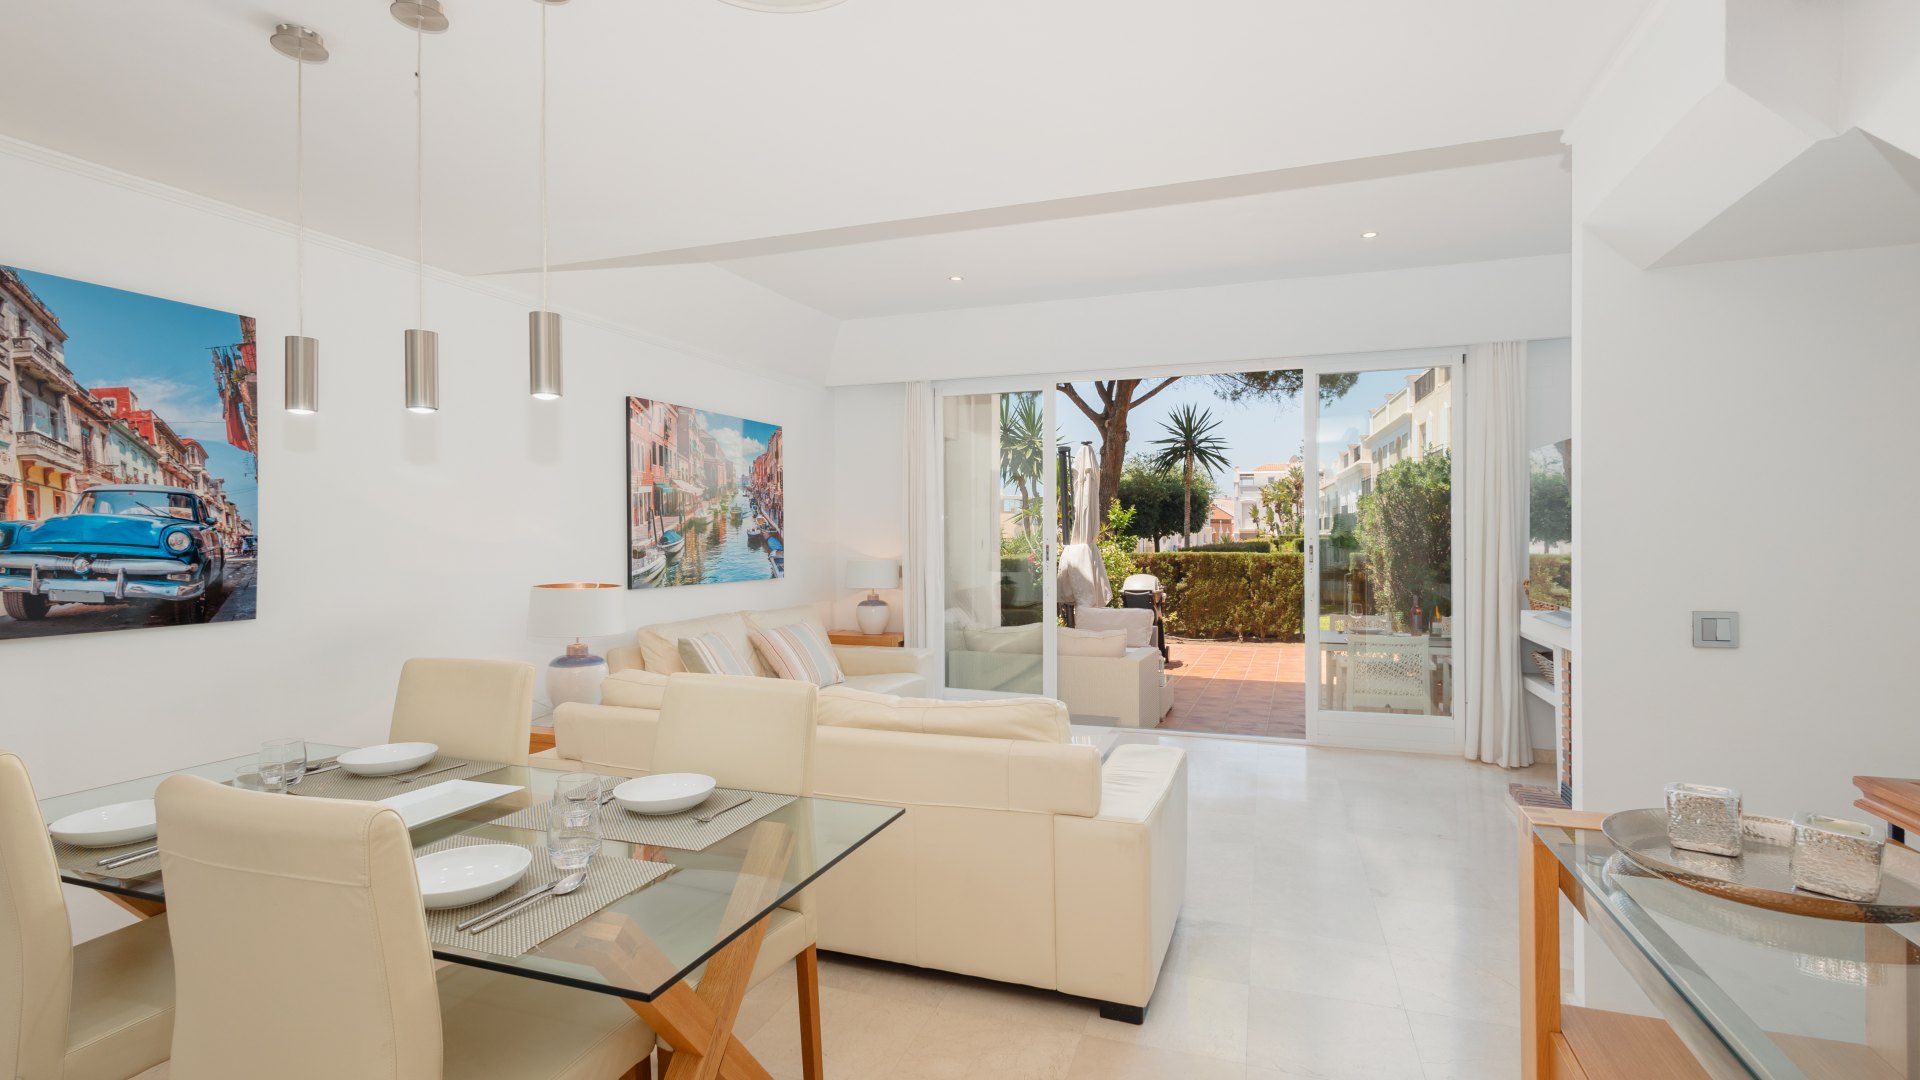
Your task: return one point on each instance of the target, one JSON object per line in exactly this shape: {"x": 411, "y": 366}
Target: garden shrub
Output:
{"x": 1228, "y": 594}
{"x": 1550, "y": 581}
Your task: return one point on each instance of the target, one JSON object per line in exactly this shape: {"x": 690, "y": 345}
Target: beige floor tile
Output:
{"x": 918, "y": 986}
{"x": 962, "y": 1046}
{"x": 1192, "y": 1015}
{"x": 1430, "y": 924}
{"x": 1466, "y": 986}
{"x": 1101, "y": 1059}
{"x": 1453, "y": 1049}
{"x": 1329, "y": 1039}
{"x": 1330, "y": 967}
{"x": 1210, "y": 950}
{"x": 863, "y": 1037}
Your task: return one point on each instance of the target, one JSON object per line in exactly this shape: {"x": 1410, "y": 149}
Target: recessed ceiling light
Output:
{"x": 956, "y": 277}
{"x": 1368, "y": 235}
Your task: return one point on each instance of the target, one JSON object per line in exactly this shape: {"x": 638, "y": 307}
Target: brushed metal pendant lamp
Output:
{"x": 422, "y": 345}
{"x": 544, "y": 364}
{"x": 304, "y": 47}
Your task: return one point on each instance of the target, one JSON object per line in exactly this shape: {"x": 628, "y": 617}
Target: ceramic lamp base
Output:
{"x": 575, "y": 678}
{"x": 871, "y": 614}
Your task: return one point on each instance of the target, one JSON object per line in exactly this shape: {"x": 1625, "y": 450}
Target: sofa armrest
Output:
{"x": 608, "y": 738}
{"x": 882, "y": 660}
{"x": 624, "y": 657}
{"x": 1120, "y": 878}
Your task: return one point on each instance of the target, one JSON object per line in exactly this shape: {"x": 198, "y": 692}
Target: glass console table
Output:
{"x": 1742, "y": 992}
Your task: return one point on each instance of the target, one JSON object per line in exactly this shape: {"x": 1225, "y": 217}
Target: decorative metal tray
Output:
{"x": 1759, "y": 874}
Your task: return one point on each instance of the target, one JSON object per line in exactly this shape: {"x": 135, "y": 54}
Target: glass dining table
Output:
{"x": 649, "y": 946}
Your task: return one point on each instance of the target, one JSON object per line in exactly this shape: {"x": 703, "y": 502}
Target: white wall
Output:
{"x": 383, "y": 535}
{"x": 1733, "y": 427}
{"x": 869, "y": 489}
{"x": 1268, "y": 320}
{"x": 1549, "y": 391}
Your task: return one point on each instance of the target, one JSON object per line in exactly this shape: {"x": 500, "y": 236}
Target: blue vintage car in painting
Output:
{"x": 121, "y": 543}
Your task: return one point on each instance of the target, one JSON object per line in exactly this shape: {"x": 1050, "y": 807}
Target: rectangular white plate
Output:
{"x": 443, "y": 800}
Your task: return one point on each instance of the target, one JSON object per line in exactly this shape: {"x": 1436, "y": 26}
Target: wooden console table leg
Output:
{"x": 140, "y": 906}
{"x": 1539, "y": 955}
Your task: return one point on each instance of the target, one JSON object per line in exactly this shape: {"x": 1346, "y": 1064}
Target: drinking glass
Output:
{"x": 256, "y": 778}
{"x": 573, "y": 821}
{"x": 286, "y": 758}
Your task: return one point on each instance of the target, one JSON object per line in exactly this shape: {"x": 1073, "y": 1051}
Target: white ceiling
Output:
{"x": 685, "y": 125}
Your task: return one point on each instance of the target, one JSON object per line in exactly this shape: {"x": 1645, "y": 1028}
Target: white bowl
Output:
{"x": 665, "y": 793}
{"x": 467, "y": 875}
{"x": 107, "y": 826}
{"x": 387, "y": 758}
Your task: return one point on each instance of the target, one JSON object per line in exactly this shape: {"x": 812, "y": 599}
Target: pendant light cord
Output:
{"x": 300, "y": 196}
{"x": 543, "y": 157}
{"x": 420, "y": 176}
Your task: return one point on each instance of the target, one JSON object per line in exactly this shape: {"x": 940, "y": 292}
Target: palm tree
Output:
{"x": 1023, "y": 450}
{"x": 1191, "y": 441}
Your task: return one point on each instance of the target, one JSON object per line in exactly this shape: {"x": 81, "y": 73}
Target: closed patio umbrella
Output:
{"x": 1083, "y": 578}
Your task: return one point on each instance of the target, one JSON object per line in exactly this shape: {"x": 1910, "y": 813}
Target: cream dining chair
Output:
{"x": 479, "y": 709}
{"x": 755, "y": 734}
{"x": 301, "y": 952}
{"x": 101, "y": 1010}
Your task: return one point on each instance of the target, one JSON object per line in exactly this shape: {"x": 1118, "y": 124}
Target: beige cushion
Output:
{"x": 1015, "y": 639}
{"x": 713, "y": 654}
{"x": 909, "y": 683}
{"x": 1137, "y": 622}
{"x": 659, "y": 644}
{"x": 767, "y": 620}
{"x": 1109, "y": 643}
{"x": 1029, "y": 719}
{"x": 633, "y": 688}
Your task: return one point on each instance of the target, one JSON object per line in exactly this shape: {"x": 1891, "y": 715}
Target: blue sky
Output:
{"x": 1257, "y": 432}
{"x": 160, "y": 349}
{"x": 740, "y": 440}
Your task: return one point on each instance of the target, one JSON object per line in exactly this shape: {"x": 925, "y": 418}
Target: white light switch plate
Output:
{"x": 1716, "y": 629}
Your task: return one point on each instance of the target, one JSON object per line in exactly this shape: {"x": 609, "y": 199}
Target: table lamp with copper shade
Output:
{"x": 576, "y": 609}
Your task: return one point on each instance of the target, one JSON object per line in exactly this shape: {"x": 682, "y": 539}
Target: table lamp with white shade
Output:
{"x": 872, "y": 575}
{"x": 576, "y": 609}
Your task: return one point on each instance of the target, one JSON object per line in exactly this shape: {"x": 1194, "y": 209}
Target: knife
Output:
{"x": 508, "y": 906}
{"x": 112, "y": 862}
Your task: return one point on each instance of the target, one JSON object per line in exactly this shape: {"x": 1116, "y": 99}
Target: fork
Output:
{"x": 707, "y": 818}
{"x": 424, "y": 775}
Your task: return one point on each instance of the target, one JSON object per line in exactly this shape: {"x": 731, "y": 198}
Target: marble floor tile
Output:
{"x": 953, "y": 1045}
{"x": 1465, "y": 986}
{"x": 1330, "y": 1039}
{"x": 1329, "y": 967}
{"x": 1101, "y": 1059}
{"x": 1451, "y": 1049}
{"x": 1192, "y": 1015}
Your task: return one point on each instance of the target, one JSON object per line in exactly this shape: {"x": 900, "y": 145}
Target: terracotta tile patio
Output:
{"x": 1238, "y": 687}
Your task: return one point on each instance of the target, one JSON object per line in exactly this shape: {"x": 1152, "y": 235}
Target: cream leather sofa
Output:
{"x": 1021, "y": 857}
{"x": 1103, "y": 674}
{"x": 880, "y": 670}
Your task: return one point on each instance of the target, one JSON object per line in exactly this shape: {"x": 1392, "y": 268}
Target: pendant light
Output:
{"x": 422, "y": 345}
{"x": 543, "y": 326}
{"x": 304, "y": 47}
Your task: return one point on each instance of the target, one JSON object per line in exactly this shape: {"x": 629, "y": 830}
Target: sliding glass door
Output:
{"x": 996, "y": 633}
{"x": 1380, "y": 563}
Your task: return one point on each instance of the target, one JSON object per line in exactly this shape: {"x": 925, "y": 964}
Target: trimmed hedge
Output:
{"x": 1266, "y": 545}
{"x": 1229, "y": 594}
{"x": 1550, "y": 581}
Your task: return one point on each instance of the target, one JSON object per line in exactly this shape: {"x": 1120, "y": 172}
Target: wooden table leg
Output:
{"x": 140, "y": 906}
{"x": 1539, "y": 954}
{"x": 806, "y": 971}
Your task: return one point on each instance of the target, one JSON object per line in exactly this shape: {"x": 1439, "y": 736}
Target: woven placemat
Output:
{"x": 86, "y": 860}
{"x": 608, "y": 880}
{"x": 677, "y": 831}
{"x": 341, "y": 784}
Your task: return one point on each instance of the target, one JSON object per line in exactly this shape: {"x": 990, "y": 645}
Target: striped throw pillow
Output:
{"x": 711, "y": 654}
{"x": 798, "y": 651}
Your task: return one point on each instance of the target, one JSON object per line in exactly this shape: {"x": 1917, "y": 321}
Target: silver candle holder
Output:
{"x": 1703, "y": 818}
{"x": 1835, "y": 857}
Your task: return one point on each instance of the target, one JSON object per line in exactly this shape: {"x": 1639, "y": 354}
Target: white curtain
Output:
{"x": 1494, "y": 500}
{"x": 919, "y": 599}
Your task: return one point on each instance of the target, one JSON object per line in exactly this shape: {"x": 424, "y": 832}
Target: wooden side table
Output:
{"x": 1892, "y": 800}
{"x": 854, "y": 637}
